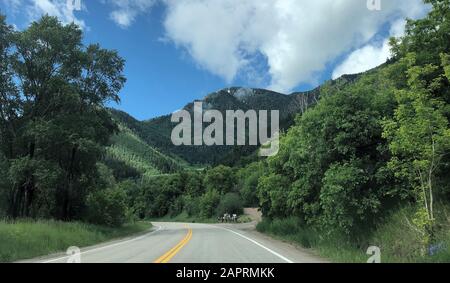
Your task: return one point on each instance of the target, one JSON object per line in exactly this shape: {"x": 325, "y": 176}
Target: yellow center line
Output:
{"x": 165, "y": 258}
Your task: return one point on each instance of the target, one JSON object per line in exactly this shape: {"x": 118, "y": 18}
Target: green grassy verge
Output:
{"x": 397, "y": 240}
{"x": 26, "y": 239}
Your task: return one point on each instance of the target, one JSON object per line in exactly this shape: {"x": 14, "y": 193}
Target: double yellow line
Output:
{"x": 165, "y": 258}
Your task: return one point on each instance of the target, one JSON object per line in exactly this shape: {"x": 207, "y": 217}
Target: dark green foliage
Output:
{"x": 273, "y": 195}
{"x": 220, "y": 178}
{"x": 208, "y": 203}
{"x": 106, "y": 207}
{"x": 344, "y": 200}
{"x": 344, "y": 128}
{"x": 195, "y": 193}
{"x": 121, "y": 170}
{"x": 248, "y": 178}
{"x": 53, "y": 123}
{"x": 230, "y": 203}
{"x": 4, "y": 184}
{"x": 370, "y": 147}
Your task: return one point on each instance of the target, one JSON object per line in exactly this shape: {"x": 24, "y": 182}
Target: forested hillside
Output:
{"x": 129, "y": 156}
{"x": 157, "y": 132}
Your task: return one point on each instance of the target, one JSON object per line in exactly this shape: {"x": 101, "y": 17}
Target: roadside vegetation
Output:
{"x": 54, "y": 131}
{"x": 368, "y": 165}
{"x": 187, "y": 196}
{"x": 398, "y": 240}
{"x": 26, "y": 239}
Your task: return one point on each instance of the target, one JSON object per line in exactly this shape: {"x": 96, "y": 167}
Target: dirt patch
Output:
{"x": 254, "y": 213}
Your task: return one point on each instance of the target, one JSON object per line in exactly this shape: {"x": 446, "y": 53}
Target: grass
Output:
{"x": 26, "y": 239}
{"x": 398, "y": 241}
{"x": 244, "y": 219}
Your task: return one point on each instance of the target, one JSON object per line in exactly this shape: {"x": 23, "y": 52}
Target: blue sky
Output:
{"x": 180, "y": 50}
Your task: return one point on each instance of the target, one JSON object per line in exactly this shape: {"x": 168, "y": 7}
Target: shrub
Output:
{"x": 346, "y": 198}
{"x": 220, "y": 178}
{"x": 107, "y": 207}
{"x": 191, "y": 205}
{"x": 230, "y": 203}
{"x": 209, "y": 202}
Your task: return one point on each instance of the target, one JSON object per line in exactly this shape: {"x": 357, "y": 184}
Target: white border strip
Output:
{"x": 105, "y": 247}
{"x": 258, "y": 244}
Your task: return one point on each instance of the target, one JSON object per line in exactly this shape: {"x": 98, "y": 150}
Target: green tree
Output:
{"x": 193, "y": 183}
{"x": 345, "y": 202}
{"x": 248, "y": 178}
{"x": 9, "y": 99}
{"x": 209, "y": 202}
{"x": 272, "y": 193}
{"x": 230, "y": 203}
{"x": 345, "y": 125}
{"x": 107, "y": 207}
{"x": 4, "y": 184}
{"x": 53, "y": 121}
{"x": 419, "y": 138}
{"x": 221, "y": 178}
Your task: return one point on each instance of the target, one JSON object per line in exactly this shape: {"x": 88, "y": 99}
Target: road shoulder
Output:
{"x": 293, "y": 252}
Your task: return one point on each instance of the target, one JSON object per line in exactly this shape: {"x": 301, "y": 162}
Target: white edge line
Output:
{"x": 258, "y": 244}
{"x": 106, "y": 247}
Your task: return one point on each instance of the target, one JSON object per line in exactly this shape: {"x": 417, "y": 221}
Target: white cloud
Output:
{"x": 361, "y": 60}
{"x": 57, "y": 8}
{"x": 370, "y": 55}
{"x": 126, "y": 11}
{"x": 298, "y": 38}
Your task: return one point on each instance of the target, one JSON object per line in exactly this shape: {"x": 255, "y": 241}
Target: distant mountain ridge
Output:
{"x": 156, "y": 132}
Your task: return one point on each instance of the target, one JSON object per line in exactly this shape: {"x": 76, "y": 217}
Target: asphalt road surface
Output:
{"x": 193, "y": 243}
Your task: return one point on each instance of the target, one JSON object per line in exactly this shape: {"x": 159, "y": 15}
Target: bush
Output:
{"x": 209, "y": 202}
{"x": 346, "y": 199}
{"x": 191, "y": 205}
{"x": 248, "y": 183}
{"x": 107, "y": 207}
{"x": 231, "y": 203}
{"x": 273, "y": 195}
{"x": 177, "y": 206}
{"x": 220, "y": 178}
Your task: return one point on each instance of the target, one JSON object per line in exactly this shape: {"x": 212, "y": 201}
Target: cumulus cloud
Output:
{"x": 126, "y": 11}
{"x": 63, "y": 9}
{"x": 297, "y": 38}
{"x": 370, "y": 55}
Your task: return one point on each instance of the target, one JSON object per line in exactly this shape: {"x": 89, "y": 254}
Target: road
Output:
{"x": 193, "y": 243}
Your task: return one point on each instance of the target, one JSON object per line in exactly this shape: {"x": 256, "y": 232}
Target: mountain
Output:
{"x": 129, "y": 156}
{"x": 156, "y": 132}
